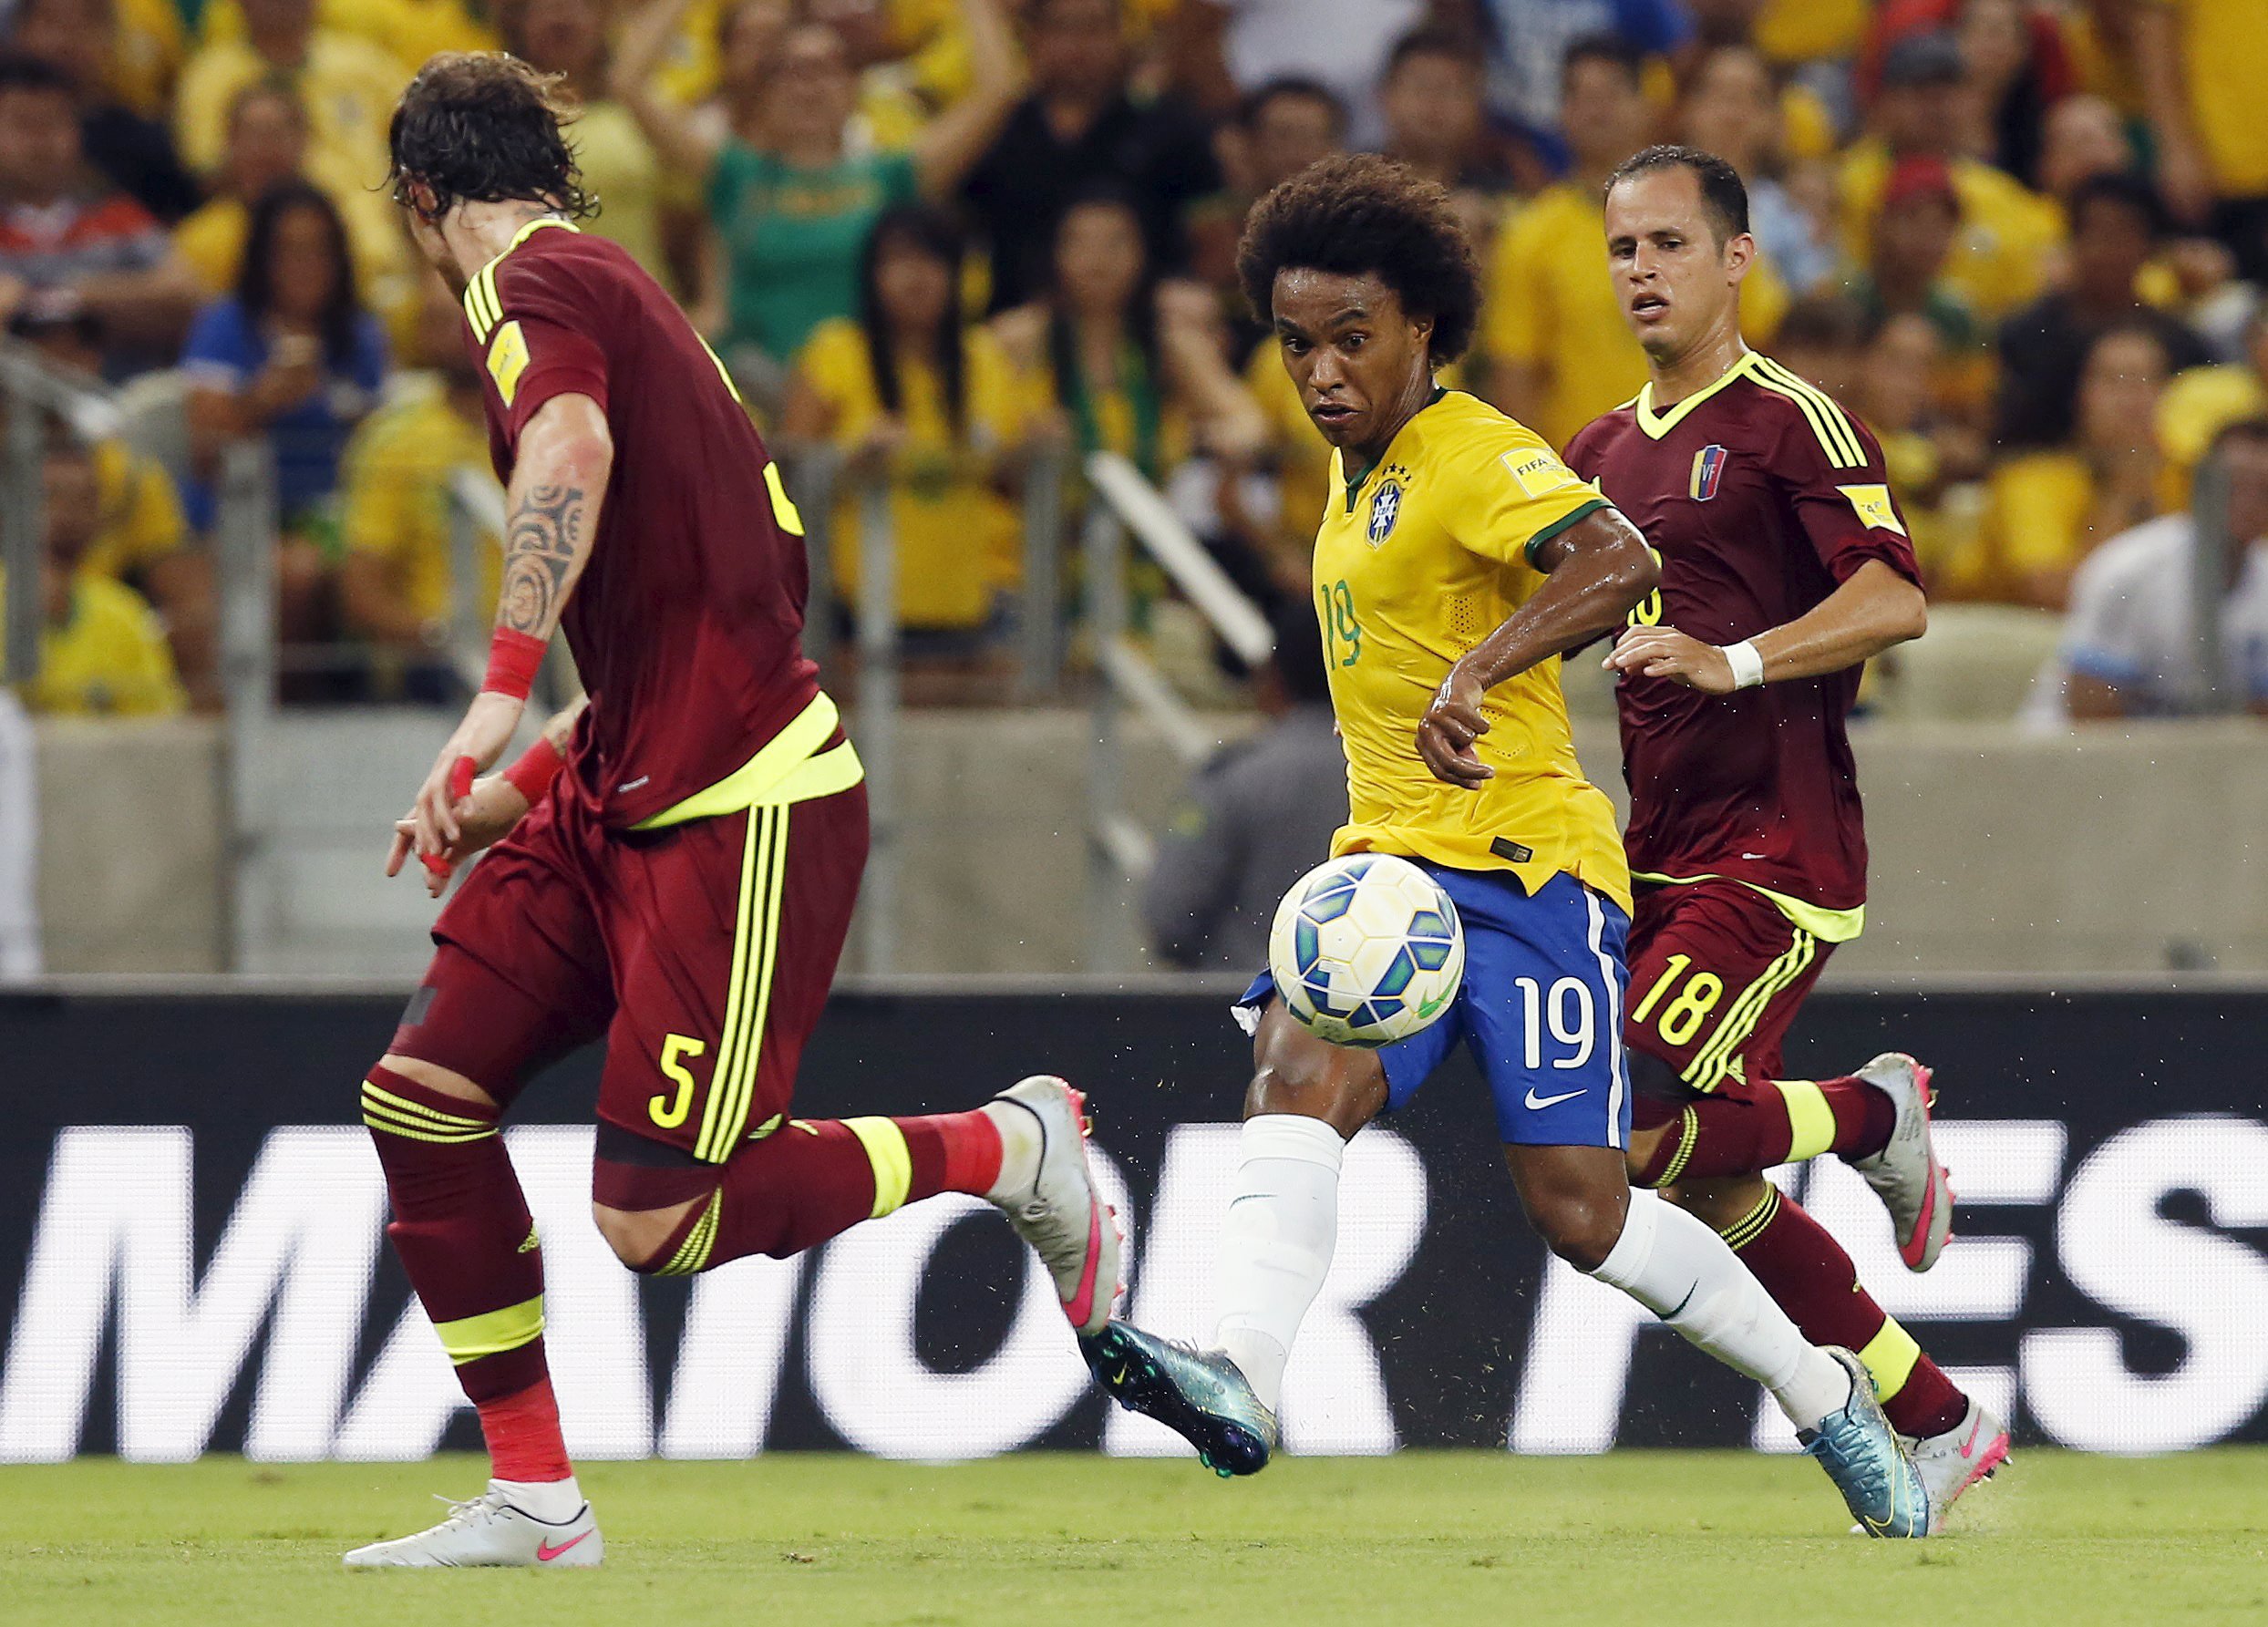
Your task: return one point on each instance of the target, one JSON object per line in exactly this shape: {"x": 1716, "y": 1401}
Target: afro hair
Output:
{"x": 1356, "y": 213}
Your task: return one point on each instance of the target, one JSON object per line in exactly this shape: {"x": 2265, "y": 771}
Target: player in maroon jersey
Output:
{"x": 675, "y": 862}
{"x": 1785, "y": 567}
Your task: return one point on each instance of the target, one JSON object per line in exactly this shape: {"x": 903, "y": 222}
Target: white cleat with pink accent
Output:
{"x": 1905, "y": 1175}
{"x": 1060, "y": 1214}
{"x": 490, "y": 1529}
{"x": 1952, "y": 1462}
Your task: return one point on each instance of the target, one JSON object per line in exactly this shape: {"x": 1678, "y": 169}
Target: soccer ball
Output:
{"x": 1366, "y": 950}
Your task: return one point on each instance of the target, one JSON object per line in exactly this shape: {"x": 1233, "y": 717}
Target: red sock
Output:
{"x": 1717, "y": 1136}
{"x": 1804, "y": 1268}
{"x": 523, "y": 1436}
{"x": 810, "y": 1180}
{"x": 967, "y": 1147}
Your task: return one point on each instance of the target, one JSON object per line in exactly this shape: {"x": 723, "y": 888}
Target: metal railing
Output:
{"x": 2211, "y": 693}
{"x": 815, "y": 476}
{"x": 1129, "y": 506}
{"x": 33, "y": 389}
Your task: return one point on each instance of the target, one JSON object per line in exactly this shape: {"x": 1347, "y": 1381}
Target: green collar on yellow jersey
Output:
{"x": 1355, "y": 481}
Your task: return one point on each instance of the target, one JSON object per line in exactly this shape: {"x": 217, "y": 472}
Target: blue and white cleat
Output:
{"x": 1880, "y": 1483}
{"x": 1200, "y": 1394}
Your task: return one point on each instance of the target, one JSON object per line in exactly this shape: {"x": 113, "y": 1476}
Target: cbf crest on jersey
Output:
{"x": 1385, "y": 507}
{"x": 1708, "y": 472}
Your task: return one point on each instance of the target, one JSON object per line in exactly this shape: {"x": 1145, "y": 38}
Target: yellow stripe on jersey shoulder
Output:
{"x": 1837, "y": 438}
{"x": 508, "y": 359}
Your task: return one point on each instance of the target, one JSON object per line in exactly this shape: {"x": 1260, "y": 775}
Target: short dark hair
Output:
{"x": 2252, "y": 429}
{"x": 2120, "y": 189}
{"x": 482, "y": 127}
{"x": 1724, "y": 196}
{"x": 19, "y": 71}
{"x": 1824, "y": 321}
{"x": 1433, "y": 39}
{"x": 1611, "y": 48}
{"x": 268, "y": 87}
{"x": 1357, "y": 212}
{"x": 1255, "y": 102}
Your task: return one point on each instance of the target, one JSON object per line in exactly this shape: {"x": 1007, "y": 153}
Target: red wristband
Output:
{"x": 538, "y": 766}
{"x": 513, "y": 658}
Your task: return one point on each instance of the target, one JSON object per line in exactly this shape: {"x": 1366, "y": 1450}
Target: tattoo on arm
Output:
{"x": 543, "y": 544}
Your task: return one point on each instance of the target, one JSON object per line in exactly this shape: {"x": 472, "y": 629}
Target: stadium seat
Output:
{"x": 153, "y": 419}
{"x": 1977, "y": 663}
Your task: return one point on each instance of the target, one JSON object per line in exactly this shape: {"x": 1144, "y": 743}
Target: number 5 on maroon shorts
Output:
{"x": 702, "y": 953}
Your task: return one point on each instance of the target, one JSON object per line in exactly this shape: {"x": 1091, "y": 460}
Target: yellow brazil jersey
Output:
{"x": 2199, "y": 404}
{"x": 141, "y": 521}
{"x": 2008, "y": 232}
{"x": 2223, "y": 43}
{"x": 407, "y": 30}
{"x": 1417, "y": 561}
{"x": 108, "y": 658}
{"x": 958, "y": 540}
{"x": 394, "y": 495}
{"x": 1552, "y": 304}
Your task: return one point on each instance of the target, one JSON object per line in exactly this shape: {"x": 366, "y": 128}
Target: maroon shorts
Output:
{"x": 1716, "y": 973}
{"x": 701, "y": 953}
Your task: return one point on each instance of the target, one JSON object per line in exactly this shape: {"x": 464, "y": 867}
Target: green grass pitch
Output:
{"x": 1428, "y": 1537}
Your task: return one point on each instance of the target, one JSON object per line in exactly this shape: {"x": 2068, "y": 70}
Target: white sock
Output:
{"x": 554, "y": 1502}
{"x": 1019, "y": 1148}
{"x": 1685, "y": 1273}
{"x": 1276, "y": 1243}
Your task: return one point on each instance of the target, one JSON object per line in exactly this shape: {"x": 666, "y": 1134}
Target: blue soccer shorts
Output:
{"x": 1540, "y": 1010}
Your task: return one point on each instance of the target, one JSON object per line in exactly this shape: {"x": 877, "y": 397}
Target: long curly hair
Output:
{"x": 482, "y": 127}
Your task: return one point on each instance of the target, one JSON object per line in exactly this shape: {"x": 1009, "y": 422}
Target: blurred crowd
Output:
{"x": 2025, "y": 239}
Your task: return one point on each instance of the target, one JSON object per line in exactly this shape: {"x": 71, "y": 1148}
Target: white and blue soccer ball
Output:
{"x": 1366, "y": 950}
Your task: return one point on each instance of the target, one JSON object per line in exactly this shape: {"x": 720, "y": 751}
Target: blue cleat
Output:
{"x": 1863, "y": 1454}
{"x": 1200, "y": 1394}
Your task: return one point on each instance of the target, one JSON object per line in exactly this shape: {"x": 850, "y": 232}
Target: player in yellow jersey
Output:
{"x": 1458, "y": 559}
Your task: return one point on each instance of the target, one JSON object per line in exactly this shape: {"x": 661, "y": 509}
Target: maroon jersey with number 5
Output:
{"x": 686, "y": 625}
{"x": 1761, "y": 496}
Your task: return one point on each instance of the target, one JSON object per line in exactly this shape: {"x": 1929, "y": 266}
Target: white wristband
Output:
{"x": 1746, "y": 664}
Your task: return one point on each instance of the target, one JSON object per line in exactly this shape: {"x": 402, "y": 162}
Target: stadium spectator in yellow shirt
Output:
{"x": 408, "y": 31}
{"x": 1926, "y": 449}
{"x": 2006, "y": 230}
{"x": 102, "y": 651}
{"x": 645, "y": 205}
{"x": 347, "y": 85}
{"x": 398, "y": 584}
{"x": 141, "y": 538}
{"x": 2046, "y": 511}
{"x": 910, "y": 392}
{"x": 267, "y": 146}
{"x": 1909, "y": 251}
{"x": 2200, "y": 62}
{"x": 1560, "y": 352}
{"x": 1134, "y": 366}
